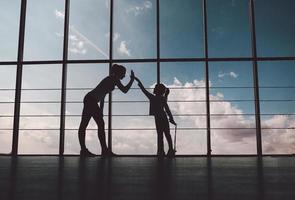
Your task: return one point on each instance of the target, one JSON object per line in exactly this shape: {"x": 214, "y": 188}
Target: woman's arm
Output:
{"x": 147, "y": 94}
{"x": 126, "y": 88}
{"x": 102, "y": 105}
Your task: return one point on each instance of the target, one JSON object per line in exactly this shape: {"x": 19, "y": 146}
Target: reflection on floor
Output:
{"x": 50, "y": 177}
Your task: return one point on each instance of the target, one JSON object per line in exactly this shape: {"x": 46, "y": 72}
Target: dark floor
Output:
{"x": 50, "y": 177}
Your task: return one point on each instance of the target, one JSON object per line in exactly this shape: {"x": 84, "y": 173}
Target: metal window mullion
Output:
{"x": 64, "y": 79}
{"x": 207, "y": 78}
{"x": 158, "y": 41}
{"x": 255, "y": 79}
{"x": 19, "y": 78}
{"x": 110, "y": 66}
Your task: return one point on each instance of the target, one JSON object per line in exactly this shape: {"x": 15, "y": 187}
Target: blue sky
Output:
{"x": 181, "y": 35}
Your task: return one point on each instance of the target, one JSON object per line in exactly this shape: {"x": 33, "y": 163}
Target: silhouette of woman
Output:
{"x": 91, "y": 108}
{"x": 160, "y": 109}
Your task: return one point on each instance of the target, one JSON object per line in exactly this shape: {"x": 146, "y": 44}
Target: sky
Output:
{"x": 181, "y": 36}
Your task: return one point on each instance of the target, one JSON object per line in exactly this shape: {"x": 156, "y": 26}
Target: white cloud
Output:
{"x": 148, "y": 4}
{"x": 233, "y": 74}
{"x": 139, "y": 9}
{"x": 123, "y": 49}
{"x": 59, "y": 14}
{"x": 230, "y": 74}
{"x": 115, "y": 36}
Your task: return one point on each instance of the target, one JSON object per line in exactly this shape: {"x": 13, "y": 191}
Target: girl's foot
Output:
{"x": 86, "y": 153}
{"x": 161, "y": 153}
{"x": 171, "y": 153}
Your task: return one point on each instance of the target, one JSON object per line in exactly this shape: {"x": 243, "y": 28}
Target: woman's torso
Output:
{"x": 104, "y": 87}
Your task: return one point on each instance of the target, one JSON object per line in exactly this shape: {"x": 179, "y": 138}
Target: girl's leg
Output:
{"x": 160, "y": 141}
{"x": 82, "y": 128}
{"x": 168, "y": 135}
{"x": 171, "y": 151}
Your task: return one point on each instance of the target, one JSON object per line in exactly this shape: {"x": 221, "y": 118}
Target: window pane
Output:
{"x": 187, "y": 103}
{"x": 44, "y": 30}
{"x": 81, "y": 78}
{"x": 228, "y": 28}
{"x": 39, "y": 121}
{"x": 9, "y": 20}
{"x": 134, "y": 130}
{"x": 7, "y": 92}
{"x": 275, "y": 27}
{"x": 134, "y": 29}
{"x": 181, "y": 28}
{"x": 277, "y": 106}
{"x": 232, "y": 108}
{"x": 89, "y": 29}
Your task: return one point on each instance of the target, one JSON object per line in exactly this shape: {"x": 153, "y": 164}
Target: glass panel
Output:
{"x": 38, "y": 141}
{"x": 9, "y": 20}
{"x": 135, "y": 141}
{"x": 39, "y": 121}
{"x": 134, "y": 29}
{"x": 228, "y": 28}
{"x": 277, "y": 106}
{"x": 181, "y": 28}
{"x": 44, "y": 30}
{"x": 7, "y": 92}
{"x": 89, "y": 29}
{"x": 275, "y": 27}
{"x": 139, "y": 142}
{"x": 232, "y": 108}
{"x": 81, "y": 78}
{"x": 187, "y": 103}
{"x": 134, "y": 130}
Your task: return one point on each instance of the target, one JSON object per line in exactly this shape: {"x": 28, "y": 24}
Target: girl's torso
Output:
{"x": 157, "y": 106}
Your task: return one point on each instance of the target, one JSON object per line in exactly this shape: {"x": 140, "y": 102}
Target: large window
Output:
{"x": 229, "y": 65}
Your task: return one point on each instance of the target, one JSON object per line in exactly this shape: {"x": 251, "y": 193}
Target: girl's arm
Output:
{"x": 169, "y": 113}
{"x": 167, "y": 93}
{"x": 126, "y": 88}
{"x": 147, "y": 94}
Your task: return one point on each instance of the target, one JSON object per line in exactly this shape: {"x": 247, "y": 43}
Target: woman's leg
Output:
{"x": 97, "y": 116}
{"x": 83, "y": 125}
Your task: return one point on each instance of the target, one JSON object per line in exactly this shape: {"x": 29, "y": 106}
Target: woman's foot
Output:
{"x": 86, "y": 153}
{"x": 171, "y": 153}
{"x": 108, "y": 153}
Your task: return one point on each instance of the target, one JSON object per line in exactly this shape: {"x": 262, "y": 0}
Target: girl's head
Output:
{"x": 159, "y": 89}
{"x": 118, "y": 71}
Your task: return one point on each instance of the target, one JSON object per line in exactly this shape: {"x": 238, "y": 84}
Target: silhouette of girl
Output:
{"x": 160, "y": 109}
{"x": 91, "y": 108}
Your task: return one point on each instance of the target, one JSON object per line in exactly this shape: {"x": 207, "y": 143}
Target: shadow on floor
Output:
{"x": 41, "y": 177}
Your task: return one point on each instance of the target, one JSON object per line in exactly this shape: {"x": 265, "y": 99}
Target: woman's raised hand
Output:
{"x": 132, "y": 75}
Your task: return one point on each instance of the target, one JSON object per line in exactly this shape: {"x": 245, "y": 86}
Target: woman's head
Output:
{"x": 118, "y": 71}
{"x": 159, "y": 89}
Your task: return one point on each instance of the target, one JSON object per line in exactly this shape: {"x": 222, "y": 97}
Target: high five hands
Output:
{"x": 132, "y": 76}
